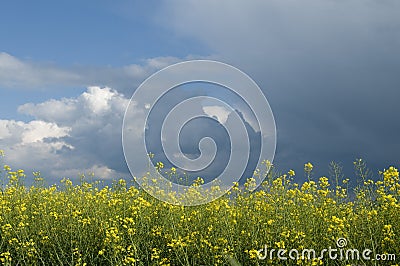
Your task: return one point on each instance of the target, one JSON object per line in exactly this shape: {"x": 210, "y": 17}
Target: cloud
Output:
{"x": 32, "y": 132}
{"x": 98, "y": 171}
{"x": 16, "y": 73}
{"x": 70, "y": 136}
{"x": 328, "y": 68}
{"x": 28, "y": 75}
{"x": 289, "y": 27}
{"x": 82, "y": 135}
{"x": 220, "y": 112}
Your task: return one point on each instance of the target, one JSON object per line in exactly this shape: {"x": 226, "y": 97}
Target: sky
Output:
{"x": 329, "y": 69}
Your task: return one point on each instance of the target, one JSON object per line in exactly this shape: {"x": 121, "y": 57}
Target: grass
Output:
{"x": 85, "y": 224}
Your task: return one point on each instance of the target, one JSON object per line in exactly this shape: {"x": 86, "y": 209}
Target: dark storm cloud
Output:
{"x": 198, "y": 128}
{"x": 330, "y": 70}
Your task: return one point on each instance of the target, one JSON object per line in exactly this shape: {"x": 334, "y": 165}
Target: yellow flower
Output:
{"x": 391, "y": 175}
{"x": 308, "y": 167}
{"x": 291, "y": 172}
{"x": 253, "y": 254}
{"x": 267, "y": 163}
{"x": 21, "y": 173}
{"x": 159, "y": 165}
{"x": 122, "y": 182}
{"x": 155, "y": 254}
{"x": 173, "y": 170}
{"x": 324, "y": 182}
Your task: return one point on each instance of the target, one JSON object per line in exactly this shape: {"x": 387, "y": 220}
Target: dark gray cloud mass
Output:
{"x": 330, "y": 70}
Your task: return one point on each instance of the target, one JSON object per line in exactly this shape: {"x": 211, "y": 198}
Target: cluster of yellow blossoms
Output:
{"x": 93, "y": 224}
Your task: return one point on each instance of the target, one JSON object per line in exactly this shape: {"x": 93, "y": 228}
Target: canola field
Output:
{"x": 90, "y": 224}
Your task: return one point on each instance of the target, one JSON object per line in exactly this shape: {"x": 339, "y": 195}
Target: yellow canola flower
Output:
{"x": 391, "y": 175}
{"x": 128, "y": 226}
{"x": 159, "y": 165}
{"x": 308, "y": 167}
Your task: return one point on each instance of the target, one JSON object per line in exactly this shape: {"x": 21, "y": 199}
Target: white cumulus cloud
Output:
{"x": 69, "y": 136}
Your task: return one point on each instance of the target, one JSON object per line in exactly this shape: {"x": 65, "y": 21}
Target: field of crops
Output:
{"x": 87, "y": 224}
